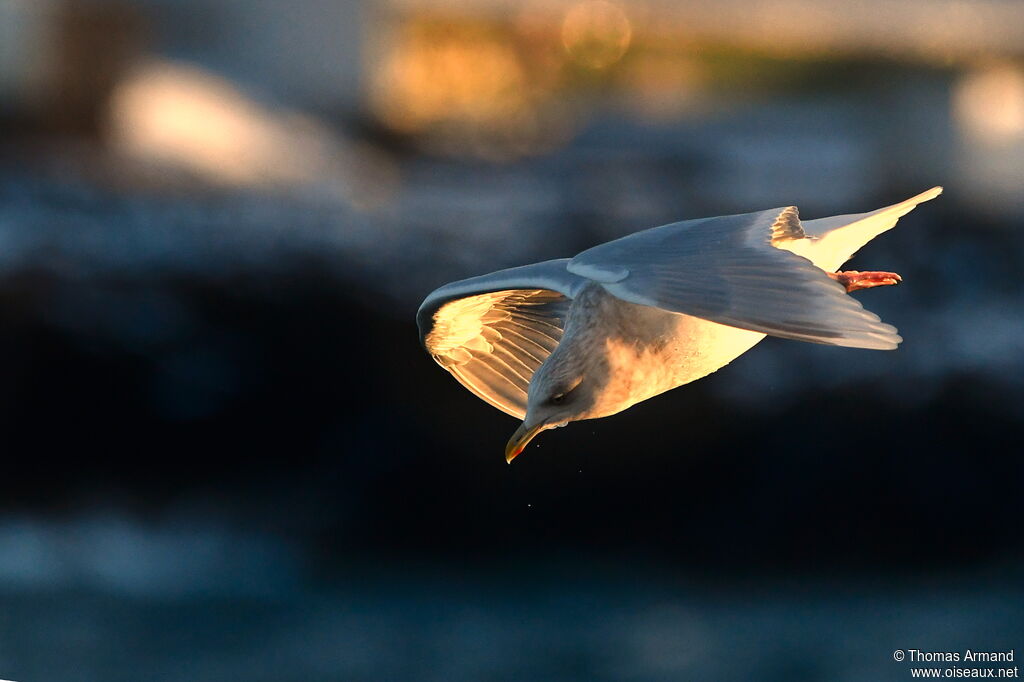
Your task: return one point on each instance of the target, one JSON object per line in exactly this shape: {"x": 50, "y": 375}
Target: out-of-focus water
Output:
{"x": 104, "y": 598}
{"x": 799, "y": 515}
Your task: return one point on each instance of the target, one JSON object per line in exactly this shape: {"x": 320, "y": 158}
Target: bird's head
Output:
{"x": 555, "y": 399}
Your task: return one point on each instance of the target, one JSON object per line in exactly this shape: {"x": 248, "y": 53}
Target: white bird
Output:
{"x": 587, "y": 337}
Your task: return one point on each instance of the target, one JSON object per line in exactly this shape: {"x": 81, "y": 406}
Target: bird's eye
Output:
{"x": 560, "y": 397}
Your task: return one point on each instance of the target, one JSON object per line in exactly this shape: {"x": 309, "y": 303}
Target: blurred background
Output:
{"x": 227, "y": 457}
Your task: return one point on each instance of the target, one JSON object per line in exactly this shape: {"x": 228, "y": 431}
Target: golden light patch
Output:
{"x": 596, "y": 33}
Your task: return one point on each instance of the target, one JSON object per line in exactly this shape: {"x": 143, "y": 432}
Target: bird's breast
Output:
{"x": 651, "y": 351}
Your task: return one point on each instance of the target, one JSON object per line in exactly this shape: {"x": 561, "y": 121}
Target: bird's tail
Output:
{"x": 837, "y": 238}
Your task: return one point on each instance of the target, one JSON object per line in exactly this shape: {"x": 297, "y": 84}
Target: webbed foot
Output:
{"x": 854, "y": 280}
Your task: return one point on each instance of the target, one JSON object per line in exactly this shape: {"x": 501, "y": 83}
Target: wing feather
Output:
{"x": 727, "y": 270}
{"x": 835, "y": 239}
{"x": 493, "y": 332}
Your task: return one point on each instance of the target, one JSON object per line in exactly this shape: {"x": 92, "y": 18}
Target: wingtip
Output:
{"x": 874, "y": 343}
{"x": 894, "y": 342}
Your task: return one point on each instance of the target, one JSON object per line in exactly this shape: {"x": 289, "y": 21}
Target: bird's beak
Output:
{"x": 520, "y": 439}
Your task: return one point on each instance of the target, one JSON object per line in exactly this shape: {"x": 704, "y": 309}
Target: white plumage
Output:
{"x": 587, "y": 337}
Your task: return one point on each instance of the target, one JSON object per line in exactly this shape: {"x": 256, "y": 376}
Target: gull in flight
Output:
{"x": 589, "y": 336}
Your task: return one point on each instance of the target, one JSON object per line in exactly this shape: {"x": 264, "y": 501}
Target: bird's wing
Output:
{"x": 835, "y": 239}
{"x": 492, "y": 332}
{"x": 727, "y": 270}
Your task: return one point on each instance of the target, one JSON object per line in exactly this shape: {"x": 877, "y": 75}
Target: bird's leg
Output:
{"x": 854, "y": 280}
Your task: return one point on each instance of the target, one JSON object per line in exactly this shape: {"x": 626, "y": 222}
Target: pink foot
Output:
{"x": 853, "y": 280}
